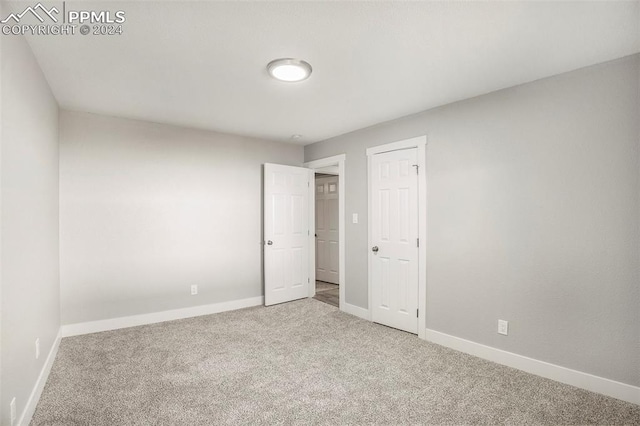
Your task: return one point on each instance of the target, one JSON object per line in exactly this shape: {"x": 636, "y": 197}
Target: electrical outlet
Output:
{"x": 12, "y": 409}
{"x": 503, "y": 327}
{"x": 37, "y": 348}
{"x": 194, "y": 289}
{"x": 354, "y": 218}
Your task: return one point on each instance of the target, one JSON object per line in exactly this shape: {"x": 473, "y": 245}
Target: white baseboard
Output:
{"x": 356, "y": 310}
{"x": 32, "y": 402}
{"x": 135, "y": 320}
{"x": 575, "y": 378}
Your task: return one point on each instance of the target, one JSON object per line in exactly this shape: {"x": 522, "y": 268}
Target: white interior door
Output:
{"x": 394, "y": 239}
{"x": 286, "y": 233}
{"x": 327, "y": 214}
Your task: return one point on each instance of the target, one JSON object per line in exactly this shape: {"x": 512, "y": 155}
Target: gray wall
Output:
{"x": 147, "y": 210}
{"x": 533, "y": 217}
{"x": 29, "y": 223}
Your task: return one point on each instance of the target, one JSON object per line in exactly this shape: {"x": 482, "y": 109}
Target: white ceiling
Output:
{"x": 202, "y": 64}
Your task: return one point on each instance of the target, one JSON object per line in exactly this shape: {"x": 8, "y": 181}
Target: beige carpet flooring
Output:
{"x": 302, "y": 362}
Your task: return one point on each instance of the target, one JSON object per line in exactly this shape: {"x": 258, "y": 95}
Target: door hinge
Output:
{"x": 417, "y": 242}
{"x": 417, "y": 313}
{"x": 417, "y": 167}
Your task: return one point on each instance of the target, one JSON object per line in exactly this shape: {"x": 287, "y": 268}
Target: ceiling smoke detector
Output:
{"x": 289, "y": 69}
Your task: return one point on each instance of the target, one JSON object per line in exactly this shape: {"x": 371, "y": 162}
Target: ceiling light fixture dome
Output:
{"x": 289, "y": 69}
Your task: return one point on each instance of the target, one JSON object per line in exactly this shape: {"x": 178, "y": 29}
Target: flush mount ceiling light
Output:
{"x": 289, "y": 69}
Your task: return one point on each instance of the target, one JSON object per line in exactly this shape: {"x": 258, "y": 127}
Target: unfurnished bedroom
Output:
{"x": 314, "y": 212}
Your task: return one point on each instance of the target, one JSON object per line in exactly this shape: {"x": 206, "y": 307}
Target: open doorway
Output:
{"x": 327, "y": 236}
{"x": 328, "y": 214}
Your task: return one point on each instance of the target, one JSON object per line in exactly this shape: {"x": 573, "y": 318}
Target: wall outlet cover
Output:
{"x": 503, "y": 327}
{"x": 194, "y": 290}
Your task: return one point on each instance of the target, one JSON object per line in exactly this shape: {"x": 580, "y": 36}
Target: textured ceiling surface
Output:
{"x": 203, "y": 64}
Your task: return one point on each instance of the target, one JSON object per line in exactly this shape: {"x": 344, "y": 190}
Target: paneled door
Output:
{"x": 286, "y": 233}
{"x": 327, "y": 229}
{"x": 394, "y": 238}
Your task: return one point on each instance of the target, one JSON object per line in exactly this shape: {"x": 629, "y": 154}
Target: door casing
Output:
{"x": 420, "y": 143}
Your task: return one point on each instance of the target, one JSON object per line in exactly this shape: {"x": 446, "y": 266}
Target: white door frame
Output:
{"x": 420, "y": 143}
{"x": 336, "y": 160}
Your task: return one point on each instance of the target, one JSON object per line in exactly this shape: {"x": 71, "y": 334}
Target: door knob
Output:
{"x": 269, "y": 243}
{"x": 374, "y": 249}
